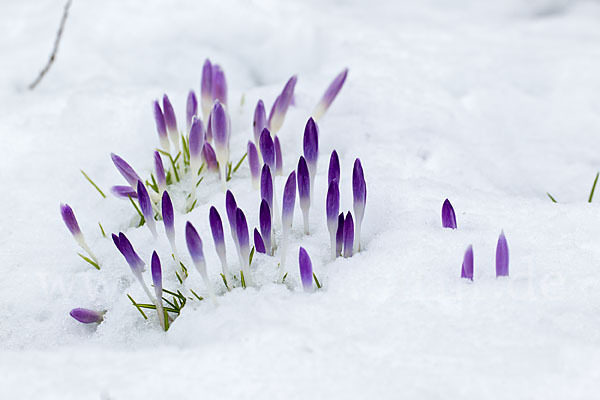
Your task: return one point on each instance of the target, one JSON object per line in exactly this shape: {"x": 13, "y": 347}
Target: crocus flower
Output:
{"x": 287, "y": 215}
{"x": 135, "y": 262}
{"x": 502, "y": 256}
{"x": 241, "y": 227}
{"x": 260, "y": 121}
{"x": 311, "y": 149}
{"x": 169, "y": 222}
{"x": 348, "y": 235}
{"x": 306, "y": 271}
{"x": 267, "y": 148}
{"x": 70, "y": 221}
{"x": 206, "y": 98}
{"x": 339, "y": 235}
{"x": 448, "y": 216}
{"x": 467, "y": 265}
{"x": 330, "y": 94}
{"x": 196, "y": 143}
{"x": 146, "y": 207}
{"x": 259, "y": 244}
{"x": 159, "y": 169}
{"x": 208, "y": 135}
{"x": 231, "y": 208}
{"x": 304, "y": 190}
{"x": 123, "y": 192}
{"x": 264, "y": 219}
{"x": 191, "y": 109}
{"x": 194, "y": 245}
{"x": 171, "y": 122}
{"x": 157, "y": 282}
{"x": 332, "y": 208}
{"x": 219, "y": 84}
{"x": 126, "y": 171}
{"x": 266, "y": 186}
{"x": 254, "y": 163}
{"x": 216, "y": 227}
{"x": 281, "y": 105}
{"x": 209, "y": 157}
{"x": 359, "y": 190}
{"x": 334, "y": 168}
{"x": 220, "y": 130}
{"x": 161, "y": 128}
{"x": 278, "y": 157}
{"x": 86, "y": 316}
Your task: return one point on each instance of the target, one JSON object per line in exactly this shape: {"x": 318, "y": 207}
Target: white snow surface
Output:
{"x": 489, "y": 104}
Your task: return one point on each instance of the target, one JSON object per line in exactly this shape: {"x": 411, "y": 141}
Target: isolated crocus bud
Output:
{"x": 191, "y": 109}
{"x": 126, "y": 171}
{"x": 311, "y": 149}
{"x": 304, "y": 190}
{"x": 158, "y": 290}
{"x": 502, "y": 256}
{"x": 348, "y": 235}
{"x": 281, "y": 105}
{"x": 161, "y": 128}
{"x": 278, "y": 157}
{"x": 171, "y": 122}
{"x": 244, "y": 244}
{"x": 220, "y": 128}
{"x": 159, "y": 170}
{"x": 289, "y": 200}
{"x": 467, "y": 265}
{"x": 359, "y": 191}
{"x": 266, "y": 186}
{"x": 332, "y": 208}
{"x": 306, "y": 271}
{"x": 264, "y": 219}
{"x": 219, "y": 84}
{"x": 196, "y": 143}
{"x": 86, "y": 316}
{"x": 206, "y": 98}
{"x": 70, "y": 221}
{"x": 448, "y": 216}
{"x": 254, "y": 163}
{"x": 267, "y": 148}
{"x": 216, "y": 227}
{"x": 260, "y": 121}
{"x": 259, "y": 244}
{"x": 209, "y": 157}
{"x": 124, "y": 192}
{"x": 339, "y": 236}
{"x": 334, "y": 168}
{"x": 330, "y": 94}
{"x": 146, "y": 207}
{"x": 194, "y": 245}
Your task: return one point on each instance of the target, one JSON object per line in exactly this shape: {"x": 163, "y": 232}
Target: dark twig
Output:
{"x": 55, "y": 49}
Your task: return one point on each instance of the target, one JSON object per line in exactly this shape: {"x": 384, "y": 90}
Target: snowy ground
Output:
{"x": 491, "y": 104}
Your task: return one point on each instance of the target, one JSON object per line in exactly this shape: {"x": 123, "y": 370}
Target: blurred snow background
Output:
{"x": 490, "y": 104}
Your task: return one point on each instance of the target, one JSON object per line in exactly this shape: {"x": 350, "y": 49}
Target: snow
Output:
{"x": 489, "y": 104}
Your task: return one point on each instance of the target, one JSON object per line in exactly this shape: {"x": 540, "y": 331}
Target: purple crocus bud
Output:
{"x": 206, "y": 89}
{"x": 339, "y": 236}
{"x": 241, "y": 227}
{"x": 311, "y": 148}
{"x": 194, "y": 245}
{"x": 254, "y": 163}
{"x": 266, "y": 186}
{"x": 219, "y": 84}
{"x": 191, "y": 109}
{"x": 124, "y": 245}
{"x": 171, "y": 122}
{"x": 289, "y": 201}
{"x": 123, "y": 192}
{"x": 209, "y": 157}
{"x": 161, "y": 128}
{"x": 168, "y": 216}
{"x": 216, "y": 227}
{"x": 260, "y": 120}
{"x": 348, "y": 235}
{"x": 208, "y": 134}
{"x": 332, "y": 208}
{"x": 196, "y": 143}
{"x": 86, "y": 316}
{"x": 146, "y": 207}
{"x": 259, "y": 244}
{"x": 304, "y": 190}
{"x": 68, "y": 217}
{"x": 448, "y": 216}
{"x": 502, "y": 256}
{"x": 264, "y": 219}
{"x": 330, "y": 94}
{"x": 126, "y": 171}
{"x": 158, "y": 290}
{"x": 467, "y": 265}
{"x": 306, "y": 271}
{"x": 359, "y": 190}
{"x": 220, "y": 128}
{"x": 159, "y": 169}
{"x": 231, "y": 208}
{"x": 267, "y": 148}
{"x": 278, "y": 157}
{"x": 281, "y": 105}
{"x": 334, "y": 168}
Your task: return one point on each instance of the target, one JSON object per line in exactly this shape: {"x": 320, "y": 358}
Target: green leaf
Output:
{"x": 243, "y": 280}
{"x": 316, "y": 281}
{"x": 102, "y": 229}
{"x": 593, "y": 187}
{"x": 251, "y": 256}
{"x": 237, "y": 166}
{"x": 95, "y": 265}
{"x": 551, "y": 198}
{"x": 93, "y": 184}
{"x": 142, "y": 220}
{"x": 137, "y": 306}
{"x": 198, "y": 297}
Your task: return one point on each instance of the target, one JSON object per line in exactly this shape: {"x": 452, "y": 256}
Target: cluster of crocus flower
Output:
{"x": 207, "y": 147}
{"x": 449, "y": 221}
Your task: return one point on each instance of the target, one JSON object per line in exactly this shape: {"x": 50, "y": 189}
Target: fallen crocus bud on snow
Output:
{"x": 216, "y": 227}
{"x": 70, "y": 221}
{"x": 146, "y": 207}
{"x": 467, "y": 265}
{"x": 254, "y": 164}
{"x": 332, "y": 208}
{"x": 264, "y": 216}
{"x": 304, "y": 190}
{"x": 158, "y": 290}
{"x": 194, "y": 245}
{"x": 161, "y": 128}
{"x": 259, "y": 244}
{"x": 330, "y": 95}
{"x": 281, "y": 105}
{"x": 191, "y": 109}
{"x": 306, "y": 271}
{"x": 502, "y": 256}
{"x": 171, "y": 122}
{"x": 334, "y": 168}
{"x": 359, "y": 191}
{"x": 87, "y": 316}
{"x": 448, "y": 216}
{"x": 206, "y": 98}
{"x": 126, "y": 171}
{"x": 348, "y": 235}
